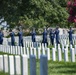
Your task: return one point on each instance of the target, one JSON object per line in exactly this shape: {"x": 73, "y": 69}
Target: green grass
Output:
{"x": 61, "y": 68}
{"x": 2, "y": 73}
{"x": 55, "y": 68}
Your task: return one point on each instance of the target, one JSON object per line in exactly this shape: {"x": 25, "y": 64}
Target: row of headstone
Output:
{"x": 14, "y": 65}
{"x": 18, "y": 65}
{"x": 18, "y": 50}
{"x": 65, "y": 51}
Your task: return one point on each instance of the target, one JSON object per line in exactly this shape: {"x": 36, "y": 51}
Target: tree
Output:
{"x": 34, "y": 13}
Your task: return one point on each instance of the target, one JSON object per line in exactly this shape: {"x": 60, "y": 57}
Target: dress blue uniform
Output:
{"x": 52, "y": 36}
{"x": 1, "y": 37}
{"x": 57, "y": 36}
{"x": 45, "y": 37}
{"x": 20, "y": 34}
{"x": 33, "y": 36}
{"x": 70, "y": 36}
{"x": 12, "y": 34}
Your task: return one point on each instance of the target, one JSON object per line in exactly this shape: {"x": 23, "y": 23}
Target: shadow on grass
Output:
{"x": 63, "y": 68}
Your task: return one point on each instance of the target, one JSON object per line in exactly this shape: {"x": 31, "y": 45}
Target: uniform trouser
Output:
{"x": 71, "y": 41}
{"x": 57, "y": 42}
{"x": 1, "y": 41}
{"x": 33, "y": 40}
{"x": 52, "y": 41}
{"x": 21, "y": 43}
{"x": 12, "y": 42}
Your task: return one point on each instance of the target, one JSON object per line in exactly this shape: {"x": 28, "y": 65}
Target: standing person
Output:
{"x": 44, "y": 37}
{"x": 57, "y": 35}
{"x": 33, "y": 35}
{"x": 70, "y": 35}
{"x": 12, "y": 34}
{"x": 1, "y": 37}
{"x": 52, "y": 36}
{"x": 20, "y": 34}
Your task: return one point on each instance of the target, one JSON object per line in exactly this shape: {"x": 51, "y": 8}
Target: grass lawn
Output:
{"x": 2, "y": 73}
{"x": 59, "y": 68}
{"x": 55, "y": 68}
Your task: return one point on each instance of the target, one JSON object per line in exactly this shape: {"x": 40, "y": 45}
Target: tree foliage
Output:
{"x": 34, "y": 13}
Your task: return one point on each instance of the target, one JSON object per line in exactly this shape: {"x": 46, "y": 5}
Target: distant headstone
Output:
{"x": 66, "y": 55}
{"x": 72, "y": 55}
{"x": 53, "y": 54}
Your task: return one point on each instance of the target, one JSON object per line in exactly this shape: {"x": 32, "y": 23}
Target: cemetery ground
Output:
{"x": 54, "y": 67}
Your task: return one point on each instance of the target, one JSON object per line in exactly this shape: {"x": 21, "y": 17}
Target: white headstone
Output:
{"x": 59, "y": 54}
{"x": 1, "y": 62}
{"x": 53, "y": 54}
{"x": 32, "y": 44}
{"x": 39, "y": 52}
{"x": 43, "y": 51}
{"x": 66, "y": 55}
{"x": 24, "y": 59}
{"x": 11, "y": 50}
{"x": 72, "y": 55}
{"x": 28, "y": 52}
{"x": 63, "y": 48}
{"x": 17, "y": 65}
{"x": 48, "y": 53}
{"x": 40, "y": 45}
{"x": 75, "y": 49}
{"x": 35, "y": 52}
{"x": 24, "y": 51}
{"x": 55, "y": 46}
{"x": 6, "y": 63}
{"x": 19, "y": 50}
{"x": 31, "y": 51}
{"x": 11, "y": 65}
{"x": 16, "y": 50}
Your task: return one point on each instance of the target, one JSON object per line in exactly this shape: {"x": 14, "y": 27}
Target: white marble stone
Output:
{"x": 35, "y": 52}
{"x": 59, "y": 54}
{"x": 17, "y": 65}
{"x": 1, "y": 63}
{"x": 24, "y": 50}
{"x": 16, "y": 50}
{"x": 19, "y": 50}
{"x": 53, "y": 54}
{"x": 11, "y": 65}
{"x": 11, "y": 49}
{"x": 28, "y": 52}
{"x": 5, "y": 63}
{"x": 66, "y": 55}
{"x": 75, "y": 49}
{"x": 39, "y": 52}
{"x": 72, "y": 55}
{"x": 43, "y": 51}
{"x": 24, "y": 59}
{"x": 31, "y": 51}
{"x": 48, "y": 53}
